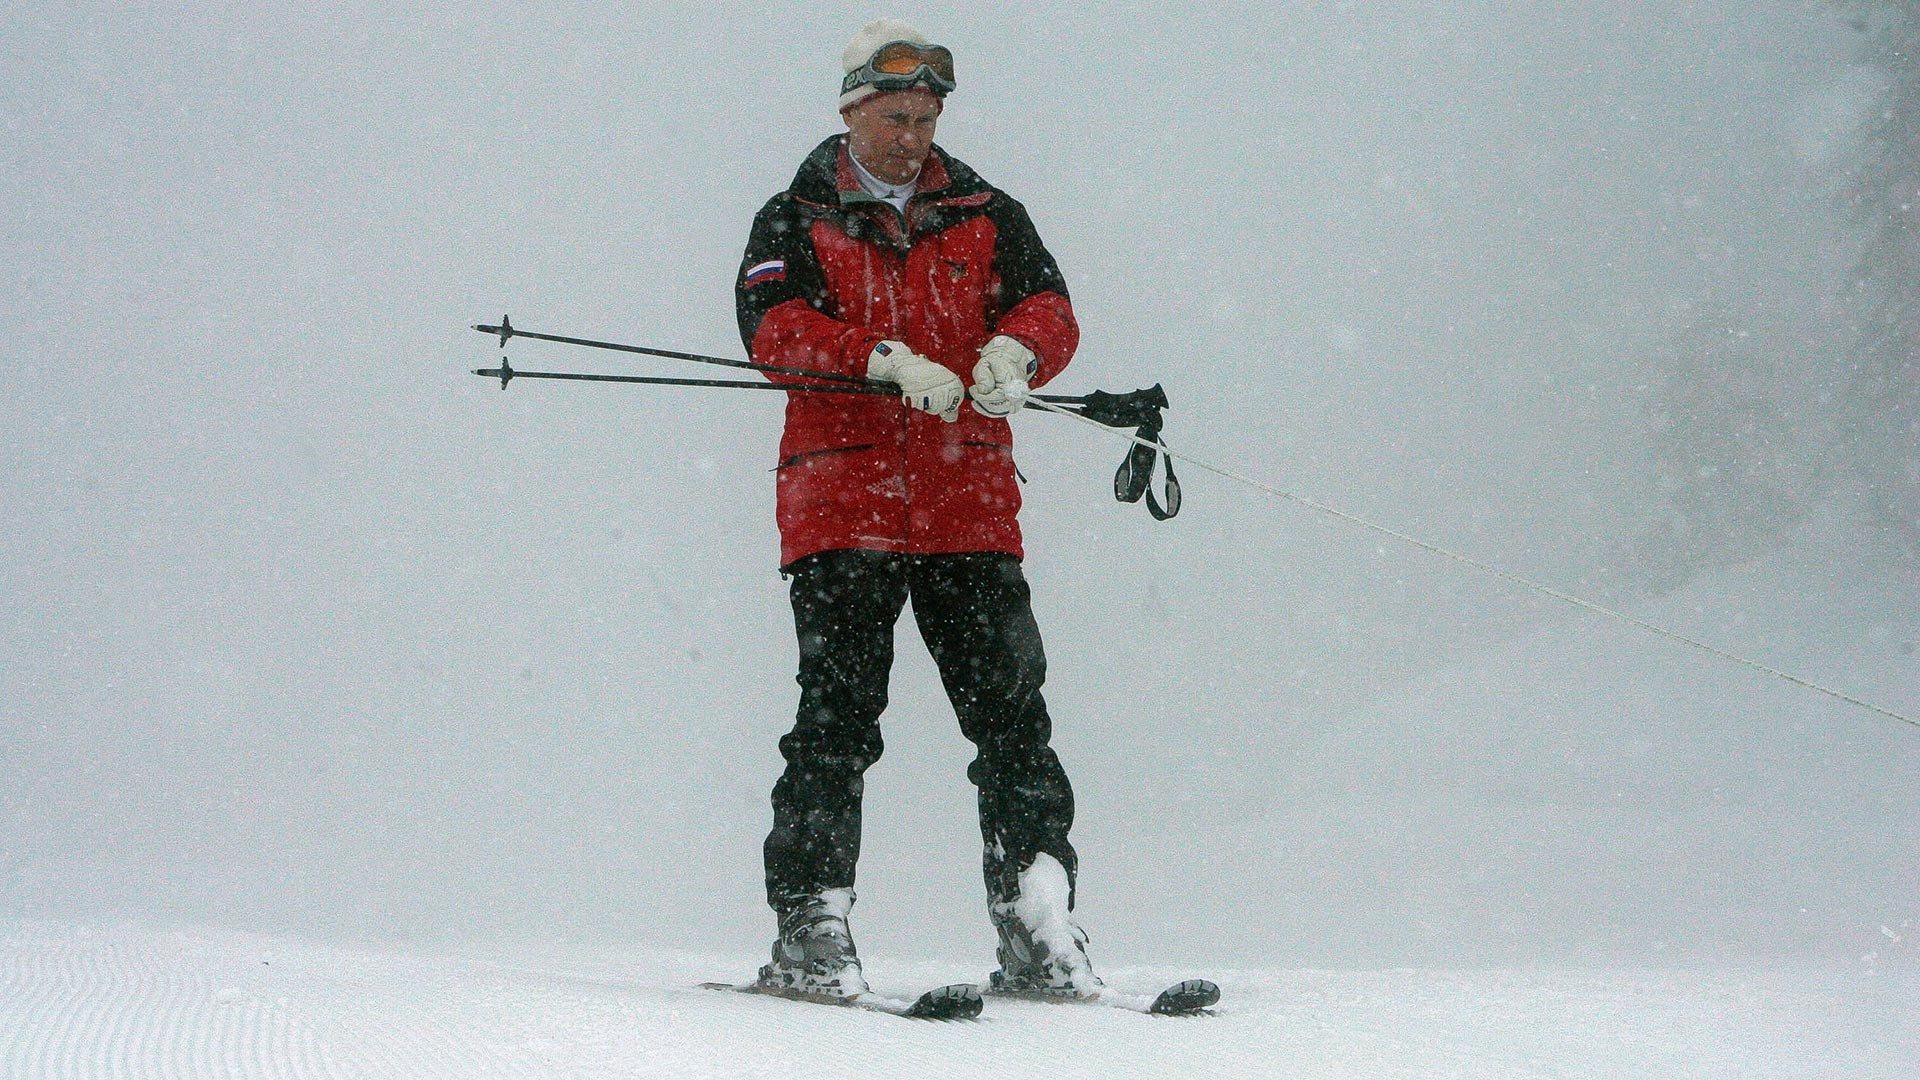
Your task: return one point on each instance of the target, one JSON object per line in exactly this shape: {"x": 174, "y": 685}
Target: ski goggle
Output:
{"x": 898, "y": 65}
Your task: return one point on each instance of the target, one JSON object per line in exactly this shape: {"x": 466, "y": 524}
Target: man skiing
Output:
{"x": 888, "y": 259}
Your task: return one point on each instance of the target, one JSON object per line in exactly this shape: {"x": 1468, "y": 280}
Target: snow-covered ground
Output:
{"x": 1683, "y": 987}
{"x": 81, "y": 1003}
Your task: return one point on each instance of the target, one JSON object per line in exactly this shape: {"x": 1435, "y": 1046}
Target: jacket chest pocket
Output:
{"x": 956, "y": 281}
{"x": 956, "y": 261}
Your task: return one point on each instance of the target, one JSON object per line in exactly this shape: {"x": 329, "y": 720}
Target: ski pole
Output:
{"x": 1139, "y": 409}
{"x": 506, "y": 331}
{"x": 505, "y": 373}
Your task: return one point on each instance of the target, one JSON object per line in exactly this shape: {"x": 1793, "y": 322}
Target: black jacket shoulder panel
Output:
{"x": 816, "y": 181}
{"x": 1025, "y": 265}
{"x": 778, "y": 266}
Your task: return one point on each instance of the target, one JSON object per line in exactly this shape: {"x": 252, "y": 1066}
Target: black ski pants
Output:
{"x": 975, "y": 614}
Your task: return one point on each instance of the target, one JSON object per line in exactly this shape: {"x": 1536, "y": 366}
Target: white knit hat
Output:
{"x": 867, "y": 42}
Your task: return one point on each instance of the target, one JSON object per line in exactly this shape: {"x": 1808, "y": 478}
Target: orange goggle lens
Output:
{"x": 905, "y": 58}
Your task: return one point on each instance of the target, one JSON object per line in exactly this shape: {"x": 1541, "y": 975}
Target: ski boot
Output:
{"x": 1042, "y": 952}
{"x": 814, "y": 954}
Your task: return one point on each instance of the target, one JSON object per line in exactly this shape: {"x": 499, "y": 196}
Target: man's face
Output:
{"x": 892, "y": 133}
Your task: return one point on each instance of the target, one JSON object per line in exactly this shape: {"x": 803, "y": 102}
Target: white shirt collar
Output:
{"x": 897, "y": 194}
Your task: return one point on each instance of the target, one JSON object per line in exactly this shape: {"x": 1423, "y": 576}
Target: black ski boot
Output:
{"x": 814, "y": 953}
{"x": 1042, "y": 951}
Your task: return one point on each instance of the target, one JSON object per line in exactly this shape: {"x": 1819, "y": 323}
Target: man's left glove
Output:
{"x": 1000, "y": 378}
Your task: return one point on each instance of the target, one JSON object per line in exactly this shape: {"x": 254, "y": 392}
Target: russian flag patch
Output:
{"x": 771, "y": 270}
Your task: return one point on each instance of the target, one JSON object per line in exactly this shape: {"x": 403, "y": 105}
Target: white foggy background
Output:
{"x": 304, "y": 628}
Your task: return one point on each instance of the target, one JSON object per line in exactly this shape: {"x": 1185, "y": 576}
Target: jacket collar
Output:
{"x": 826, "y": 180}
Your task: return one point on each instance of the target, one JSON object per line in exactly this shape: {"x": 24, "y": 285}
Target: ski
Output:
{"x": 1190, "y": 997}
{"x": 961, "y": 1001}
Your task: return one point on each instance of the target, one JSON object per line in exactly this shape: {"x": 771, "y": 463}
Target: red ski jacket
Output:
{"x": 830, "y": 272}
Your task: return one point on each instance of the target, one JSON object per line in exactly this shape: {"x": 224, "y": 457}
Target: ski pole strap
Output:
{"x": 1139, "y": 410}
{"x": 1134, "y": 478}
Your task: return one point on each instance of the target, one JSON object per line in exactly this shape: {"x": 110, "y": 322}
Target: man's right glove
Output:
{"x": 923, "y": 384}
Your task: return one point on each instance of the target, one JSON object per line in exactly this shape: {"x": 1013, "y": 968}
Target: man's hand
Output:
{"x": 923, "y": 384}
{"x": 1000, "y": 378}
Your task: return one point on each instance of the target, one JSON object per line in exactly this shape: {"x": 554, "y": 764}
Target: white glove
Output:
{"x": 923, "y": 384}
{"x": 1000, "y": 378}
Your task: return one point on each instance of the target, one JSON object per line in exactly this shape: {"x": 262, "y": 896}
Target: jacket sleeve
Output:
{"x": 1033, "y": 302}
{"x": 782, "y": 301}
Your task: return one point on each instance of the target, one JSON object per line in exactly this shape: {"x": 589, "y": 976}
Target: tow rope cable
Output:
{"x": 1508, "y": 576}
{"x": 1140, "y": 410}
